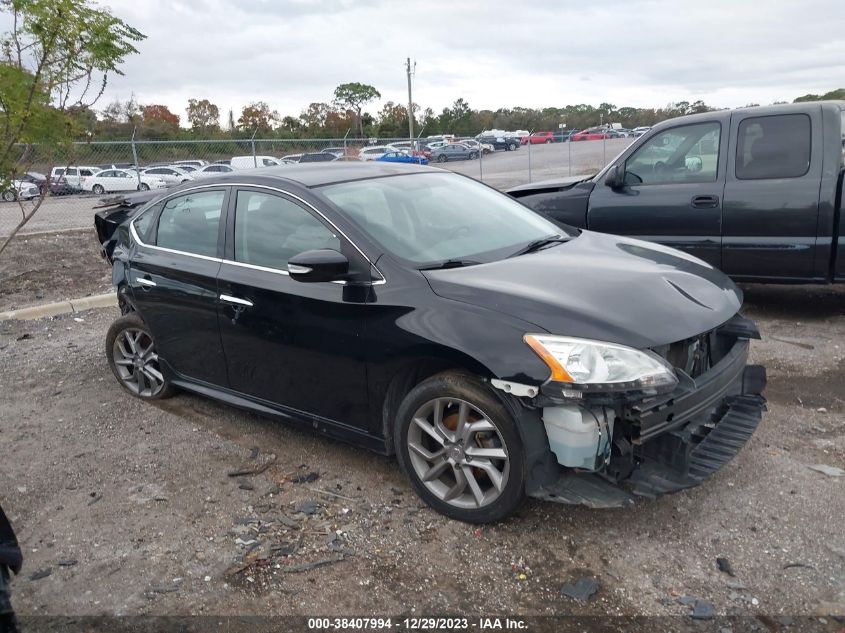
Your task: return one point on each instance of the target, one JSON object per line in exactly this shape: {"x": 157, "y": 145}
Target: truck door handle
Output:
{"x": 236, "y": 301}
{"x": 705, "y": 202}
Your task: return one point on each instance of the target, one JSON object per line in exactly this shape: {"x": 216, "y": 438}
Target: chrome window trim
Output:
{"x": 377, "y": 282}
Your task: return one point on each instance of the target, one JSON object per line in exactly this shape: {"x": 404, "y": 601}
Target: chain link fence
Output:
{"x": 81, "y": 174}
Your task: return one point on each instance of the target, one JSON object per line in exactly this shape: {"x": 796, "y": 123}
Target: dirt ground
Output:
{"x": 49, "y": 267}
{"x": 124, "y": 507}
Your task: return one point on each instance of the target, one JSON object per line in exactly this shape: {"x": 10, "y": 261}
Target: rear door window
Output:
{"x": 191, "y": 223}
{"x": 773, "y": 147}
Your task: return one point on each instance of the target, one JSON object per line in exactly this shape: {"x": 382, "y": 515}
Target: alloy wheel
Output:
{"x": 9, "y": 196}
{"x": 137, "y": 362}
{"x": 99, "y": 189}
{"x": 458, "y": 453}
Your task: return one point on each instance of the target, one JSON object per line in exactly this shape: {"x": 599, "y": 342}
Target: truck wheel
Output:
{"x": 98, "y": 189}
{"x": 132, "y": 356}
{"x": 459, "y": 446}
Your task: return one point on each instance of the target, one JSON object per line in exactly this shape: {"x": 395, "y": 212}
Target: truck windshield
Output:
{"x": 430, "y": 218}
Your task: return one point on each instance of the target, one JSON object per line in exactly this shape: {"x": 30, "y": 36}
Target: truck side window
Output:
{"x": 773, "y": 147}
{"x": 685, "y": 154}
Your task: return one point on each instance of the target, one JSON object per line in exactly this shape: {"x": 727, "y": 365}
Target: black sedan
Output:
{"x": 453, "y": 151}
{"x": 416, "y": 312}
{"x": 58, "y": 186}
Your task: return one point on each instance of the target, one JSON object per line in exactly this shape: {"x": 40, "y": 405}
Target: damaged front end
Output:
{"x": 608, "y": 447}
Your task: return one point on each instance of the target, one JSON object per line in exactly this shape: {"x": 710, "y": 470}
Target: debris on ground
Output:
{"x": 308, "y": 507}
{"x": 798, "y": 564}
{"x": 298, "y": 569}
{"x": 582, "y": 589}
{"x": 67, "y": 562}
{"x": 166, "y": 587}
{"x": 255, "y": 470}
{"x": 725, "y": 566}
{"x": 703, "y": 610}
{"x": 306, "y": 479}
{"x": 41, "y": 573}
{"x": 831, "y": 471}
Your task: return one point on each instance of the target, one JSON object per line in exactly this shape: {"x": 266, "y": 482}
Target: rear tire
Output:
{"x": 144, "y": 187}
{"x": 9, "y": 196}
{"x": 98, "y": 189}
{"x": 511, "y": 147}
{"x": 132, "y": 356}
{"x": 442, "y": 158}
{"x": 458, "y": 445}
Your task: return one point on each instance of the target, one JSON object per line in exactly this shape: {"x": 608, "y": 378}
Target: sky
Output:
{"x": 492, "y": 53}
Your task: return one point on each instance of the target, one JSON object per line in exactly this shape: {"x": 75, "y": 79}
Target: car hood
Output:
{"x": 557, "y": 183}
{"x": 600, "y": 287}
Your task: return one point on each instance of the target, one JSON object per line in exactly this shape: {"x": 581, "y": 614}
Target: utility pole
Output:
{"x": 409, "y": 70}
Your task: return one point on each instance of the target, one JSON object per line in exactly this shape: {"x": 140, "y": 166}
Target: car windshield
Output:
{"x": 431, "y": 218}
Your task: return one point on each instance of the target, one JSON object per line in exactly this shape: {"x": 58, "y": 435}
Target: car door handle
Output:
{"x": 705, "y": 202}
{"x": 145, "y": 282}
{"x": 236, "y": 301}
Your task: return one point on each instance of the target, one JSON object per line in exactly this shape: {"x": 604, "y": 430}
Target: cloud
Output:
{"x": 494, "y": 53}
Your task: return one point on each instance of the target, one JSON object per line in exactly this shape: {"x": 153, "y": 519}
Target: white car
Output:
{"x": 251, "y": 162}
{"x": 73, "y": 175}
{"x": 486, "y": 148}
{"x": 375, "y": 152}
{"x": 290, "y": 159}
{"x": 171, "y": 175}
{"x": 212, "y": 170}
{"x": 196, "y": 164}
{"x": 20, "y": 190}
{"x": 120, "y": 180}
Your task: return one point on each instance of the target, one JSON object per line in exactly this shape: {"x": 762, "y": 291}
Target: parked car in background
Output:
{"x": 251, "y": 162}
{"x": 58, "y": 187}
{"x": 591, "y": 134}
{"x": 215, "y": 169}
{"x": 171, "y": 175}
{"x": 623, "y": 132}
{"x": 508, "y": 357}
{"x": 196, "y": 164}
{"x": 485, "y": 148}
{"x": 110, "y": 180}
{"x": 639, "y": 131}
{"x": 563, "y": 136}
{"x": 375, "y": 152}
{"x": 337, "y": 151}
{"x": 73, "y": 175}
{"x": 20, "y": 190}
{"x": 317, "y": 157}
{"x": 403, "y": 157}
{"x": 509, "y": 143}
{"x": 347, "y": 158}
{"x": 289, "y": 159}
{"x": 539, "y": 138}
{"x": 453, "y": 151}
{"x": 188, "y": 168}
{"x": 755, "y": 192}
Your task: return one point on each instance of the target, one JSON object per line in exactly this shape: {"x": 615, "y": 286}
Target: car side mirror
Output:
{"x": 323, "y": 264}
{"x": 615, "y": 178}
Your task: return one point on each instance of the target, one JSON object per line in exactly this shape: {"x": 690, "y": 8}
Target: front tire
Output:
{"x": 132, "y": 356}
{"x": 458, "y": 445}
{"x": 512, "y": 147}
{"x": 9, "y": 196}
{"x": 442, "y": 158}
{"x": 98, "y": 189}
{"x": 143, "y": 187}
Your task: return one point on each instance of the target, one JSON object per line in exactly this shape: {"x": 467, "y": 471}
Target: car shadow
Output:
{"x": 794, "y": 302}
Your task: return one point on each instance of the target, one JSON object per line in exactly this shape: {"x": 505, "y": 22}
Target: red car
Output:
{"x": 591, "y": 134}
{"x": 539, "y": 138}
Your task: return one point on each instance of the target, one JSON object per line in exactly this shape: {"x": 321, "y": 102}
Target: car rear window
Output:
{"x": 190, "y": 223}
{"x": 773, "y": 147}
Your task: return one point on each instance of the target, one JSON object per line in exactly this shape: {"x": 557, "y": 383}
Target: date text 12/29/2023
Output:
{"x": 421, "y": 623}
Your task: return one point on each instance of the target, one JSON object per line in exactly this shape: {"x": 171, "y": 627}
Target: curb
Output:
{"x": 107, "y": 300}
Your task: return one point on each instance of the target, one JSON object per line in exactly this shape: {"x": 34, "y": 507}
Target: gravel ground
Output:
{"x": 130, "y": 507}
{"x": 37, "y": 269}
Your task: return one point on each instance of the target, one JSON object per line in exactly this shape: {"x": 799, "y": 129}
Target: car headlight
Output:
{"x": 586, "y": 365}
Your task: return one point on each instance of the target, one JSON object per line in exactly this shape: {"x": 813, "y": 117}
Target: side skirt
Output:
{"x": 330, "y": 428}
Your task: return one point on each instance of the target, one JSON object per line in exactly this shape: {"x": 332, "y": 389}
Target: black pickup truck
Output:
{"x": 756, "y": 192}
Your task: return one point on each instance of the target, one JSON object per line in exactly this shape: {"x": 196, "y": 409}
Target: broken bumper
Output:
{"x": 675, "y": 441}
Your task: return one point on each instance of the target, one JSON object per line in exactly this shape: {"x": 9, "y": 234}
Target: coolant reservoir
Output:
{"x": 577, "y": 437}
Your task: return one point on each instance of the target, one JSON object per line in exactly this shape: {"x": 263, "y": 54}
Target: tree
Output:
{"x": 203, "y": 116}
{"x": 257, "y": 116}
{"x": 58, "y": 54}
{"x": 159, "y": 122}
{"x": 314, "y": 117}
{"x": 355, "y": 96}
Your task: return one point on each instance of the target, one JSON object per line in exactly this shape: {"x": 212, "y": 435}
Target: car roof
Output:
{"x": 319, "y": 174}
